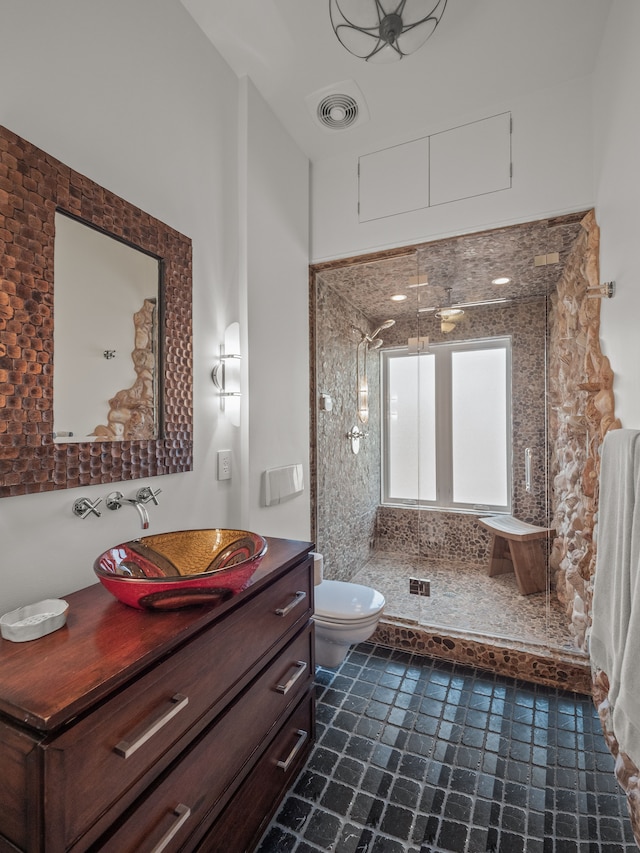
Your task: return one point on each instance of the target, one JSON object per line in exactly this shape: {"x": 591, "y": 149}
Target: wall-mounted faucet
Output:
{"x": 83, "y": 507}
{"x": 116, "y": 499}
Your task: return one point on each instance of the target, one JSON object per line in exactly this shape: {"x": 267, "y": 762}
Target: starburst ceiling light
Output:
{"x": 384, "y": 30}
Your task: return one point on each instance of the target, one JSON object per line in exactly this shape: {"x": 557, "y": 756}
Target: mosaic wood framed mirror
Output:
{"x": 33, "y": 187}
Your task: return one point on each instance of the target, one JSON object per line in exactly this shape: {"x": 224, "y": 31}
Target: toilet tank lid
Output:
{"x": 339, "y": 599}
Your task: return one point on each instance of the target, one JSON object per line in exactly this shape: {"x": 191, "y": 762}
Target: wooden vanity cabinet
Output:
{"x": 179, "y": 731}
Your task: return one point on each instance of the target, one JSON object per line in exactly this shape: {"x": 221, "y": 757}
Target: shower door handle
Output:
{"x": 527, "y": 469}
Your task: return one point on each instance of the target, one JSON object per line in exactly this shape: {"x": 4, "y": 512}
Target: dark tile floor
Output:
{"x": 420, "y": 756}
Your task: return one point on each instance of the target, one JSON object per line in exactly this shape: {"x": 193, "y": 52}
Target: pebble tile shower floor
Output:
{"x": 415, "y": 755}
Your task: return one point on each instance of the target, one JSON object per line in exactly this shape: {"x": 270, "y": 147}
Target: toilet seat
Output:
{"x": 346, "y": 623}
{"x": 340, "y": 602}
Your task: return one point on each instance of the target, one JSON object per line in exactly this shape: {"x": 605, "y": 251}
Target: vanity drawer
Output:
{"x": 241, "y": 824}
{"x": 204, "y": 779}
{"x": 110, "y": 755}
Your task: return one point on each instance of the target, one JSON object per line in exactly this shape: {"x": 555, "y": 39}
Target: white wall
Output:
{"x": 134, "y": 96}
{"x": 617, "y": 131}
{"x": 552, "y": 174}
{"x": 276, "y": 194}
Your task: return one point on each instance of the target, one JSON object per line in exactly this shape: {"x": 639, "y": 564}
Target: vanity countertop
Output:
{"x": 45, "y": 682}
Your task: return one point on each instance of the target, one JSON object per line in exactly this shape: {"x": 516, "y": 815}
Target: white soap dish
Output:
{"x": 34, "y": 620}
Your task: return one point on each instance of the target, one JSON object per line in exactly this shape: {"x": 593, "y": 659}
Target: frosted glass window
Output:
{"x": 479, "y": 427}
{"x": 411, "y": 428}
{"x": 447, "y": 425}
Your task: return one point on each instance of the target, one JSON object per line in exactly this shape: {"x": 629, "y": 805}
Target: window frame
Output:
{"x": 442, "y": 351}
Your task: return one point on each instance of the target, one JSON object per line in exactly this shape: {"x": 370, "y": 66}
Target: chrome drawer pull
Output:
{"x": 302, "y": 736}
{"x": 284, "y": 611}
{"x": 183, "y": 813}
{"x": 148, "y": 729}
{"x": 300, "y": 666}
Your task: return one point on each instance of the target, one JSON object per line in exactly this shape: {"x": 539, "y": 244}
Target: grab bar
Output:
{"x": 527, "y": 469}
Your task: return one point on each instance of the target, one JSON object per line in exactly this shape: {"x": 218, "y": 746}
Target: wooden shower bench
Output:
{"x": 517, "y": 547}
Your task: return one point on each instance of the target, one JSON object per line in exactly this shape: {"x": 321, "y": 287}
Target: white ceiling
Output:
{"x": 484, "y": 54}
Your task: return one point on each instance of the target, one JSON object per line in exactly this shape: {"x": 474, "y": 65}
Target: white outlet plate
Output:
{"x": 224, "y": 465}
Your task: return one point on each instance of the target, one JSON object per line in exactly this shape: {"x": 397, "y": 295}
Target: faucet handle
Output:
{"x": 114, "y": 500}
{"x": 82, "y": 507}
{"x": 146, "y": 494}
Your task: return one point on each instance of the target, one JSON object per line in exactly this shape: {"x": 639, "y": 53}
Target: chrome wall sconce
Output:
{"x": 219, "y": 373}
{"x": 226, "y": 374}
{"x": 384, "y": 30}
{"x": 605, "y": 291}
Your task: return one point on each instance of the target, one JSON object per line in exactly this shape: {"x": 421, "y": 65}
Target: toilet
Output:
{"x": 344, "y": 614}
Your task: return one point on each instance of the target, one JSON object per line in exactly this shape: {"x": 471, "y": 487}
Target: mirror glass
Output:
{"x": 105, "y": 337}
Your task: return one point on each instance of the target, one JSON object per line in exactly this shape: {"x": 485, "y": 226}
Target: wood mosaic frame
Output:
{"x": 33, "y": 185}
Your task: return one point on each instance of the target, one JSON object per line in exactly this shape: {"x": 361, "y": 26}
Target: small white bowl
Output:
{"x": 34, "y": 620}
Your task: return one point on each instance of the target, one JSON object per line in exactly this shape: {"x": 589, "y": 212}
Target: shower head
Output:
{"x": 373, "y": 340}
{"x": 386, "y": 325}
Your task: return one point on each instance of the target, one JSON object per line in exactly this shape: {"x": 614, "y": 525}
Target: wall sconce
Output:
{"x": 363, "y": 400}
{"x": 226, "y": 373}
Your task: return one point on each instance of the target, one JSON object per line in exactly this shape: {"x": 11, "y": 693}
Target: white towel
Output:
{"x": 615, "y": 633}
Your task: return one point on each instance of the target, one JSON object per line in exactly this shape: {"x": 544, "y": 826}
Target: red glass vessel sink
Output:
{"x": 168, "y": 571}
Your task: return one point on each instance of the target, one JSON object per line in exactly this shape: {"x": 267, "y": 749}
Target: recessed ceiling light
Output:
{"x": 501, "y": 280}
{"x": 399, "y": 297}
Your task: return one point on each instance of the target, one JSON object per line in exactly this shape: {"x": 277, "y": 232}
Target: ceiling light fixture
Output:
{"x": 398, "y": 297}
{"x": 448, "y": 315}
{"x": 501, "y": 280}
{"x": 384, "y": 30}
{"x": 448, "y": 318}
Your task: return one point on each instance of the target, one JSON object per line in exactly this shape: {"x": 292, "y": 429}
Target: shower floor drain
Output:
{"x": 420, "y": 586}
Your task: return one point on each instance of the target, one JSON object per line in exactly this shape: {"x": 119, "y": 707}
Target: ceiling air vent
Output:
{"x": 338, "y": 107}
{"x": 337, "y": 112}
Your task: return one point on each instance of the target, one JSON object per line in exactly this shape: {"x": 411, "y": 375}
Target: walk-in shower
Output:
{"x": 503, "y": 295}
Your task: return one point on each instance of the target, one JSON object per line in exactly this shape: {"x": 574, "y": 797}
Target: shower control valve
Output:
{"x": 356, "y": 433}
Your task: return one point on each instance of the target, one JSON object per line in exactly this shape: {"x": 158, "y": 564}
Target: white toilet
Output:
{"x": 344, "y": 614}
